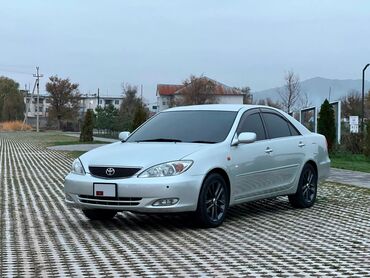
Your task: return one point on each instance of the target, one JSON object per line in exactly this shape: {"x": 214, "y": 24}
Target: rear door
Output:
{"x": 287, "y": 149}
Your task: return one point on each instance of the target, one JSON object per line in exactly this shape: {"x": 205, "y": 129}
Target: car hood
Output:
{"x": 143, "y": 154}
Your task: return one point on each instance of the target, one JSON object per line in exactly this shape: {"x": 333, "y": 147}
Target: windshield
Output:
{"x": 186, "y": 126}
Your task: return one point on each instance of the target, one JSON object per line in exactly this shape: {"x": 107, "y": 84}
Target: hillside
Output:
{"x": 318, "y": 89}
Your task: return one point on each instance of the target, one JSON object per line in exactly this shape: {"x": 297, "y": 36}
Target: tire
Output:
{"x": 307, "y": 188}
{"x": 99, "y": 214}
{"x": 213, "y": 201}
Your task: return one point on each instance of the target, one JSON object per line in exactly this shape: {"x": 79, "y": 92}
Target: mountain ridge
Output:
{"x": 317, "y": 89}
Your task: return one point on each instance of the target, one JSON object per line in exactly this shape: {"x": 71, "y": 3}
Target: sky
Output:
{"x": 102, "y": 44}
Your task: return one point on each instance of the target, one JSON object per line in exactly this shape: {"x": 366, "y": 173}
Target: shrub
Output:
{"x": 352, "y": 143}
{"x": 14, "y": 126}
{"x": 367, "y": 140}
{"x": 326, "y": 123}
{"x": 87, "y": 127}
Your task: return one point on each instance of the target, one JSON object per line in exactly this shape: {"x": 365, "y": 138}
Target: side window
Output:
{"x": 253, "y": 123}
{"x": 276, "y": 126}
{"x": 293, "y": 130}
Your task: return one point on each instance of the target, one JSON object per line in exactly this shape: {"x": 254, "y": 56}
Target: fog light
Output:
{"x": 165, "y": 202}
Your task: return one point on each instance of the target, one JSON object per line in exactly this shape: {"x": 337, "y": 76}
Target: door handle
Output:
{"x": 268, "y": 150}
{"x": 301, "y": 144}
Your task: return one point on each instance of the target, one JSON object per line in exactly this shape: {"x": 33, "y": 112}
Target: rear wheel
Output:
{"x": 307, "y": 188}
{"x": 99, "y": 214}
{"x": 213, "y": 201}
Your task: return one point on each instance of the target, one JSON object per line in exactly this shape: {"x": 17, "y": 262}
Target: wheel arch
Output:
{"x": 224, "y": 174}
{"x": 313, "y": 164}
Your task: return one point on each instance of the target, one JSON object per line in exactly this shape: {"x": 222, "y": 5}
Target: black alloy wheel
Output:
{"x": 213, "y": 201}
{"x": 307, "y": 188}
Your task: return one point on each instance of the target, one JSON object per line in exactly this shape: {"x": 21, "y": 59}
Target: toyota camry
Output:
{"x": 201, "y": 159}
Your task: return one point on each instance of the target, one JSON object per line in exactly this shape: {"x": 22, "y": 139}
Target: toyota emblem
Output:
{"x": 110, "y": 171}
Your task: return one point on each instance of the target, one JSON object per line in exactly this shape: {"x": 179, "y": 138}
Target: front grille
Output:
{"x": 110, "y": 201}
{"x": 118, "y": 172}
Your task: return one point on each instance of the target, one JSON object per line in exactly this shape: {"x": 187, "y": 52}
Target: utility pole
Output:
{"x": 363, "y": 98}
{"x": 28, "y": 102}
{"x": 37, "y": 75}
{"x": 98, "y": 98}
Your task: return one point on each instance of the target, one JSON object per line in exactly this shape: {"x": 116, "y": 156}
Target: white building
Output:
{"x": 31, "y": 104}
{"x": 166, "y": 94}
{"x": 87, "y": 102}
{"x": 93, "y": 101}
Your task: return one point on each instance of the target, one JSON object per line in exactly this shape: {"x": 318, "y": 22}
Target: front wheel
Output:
{"x": 213, "y": 201}
{"x": 99, "y": 214}
{"x": 307, "y": 188}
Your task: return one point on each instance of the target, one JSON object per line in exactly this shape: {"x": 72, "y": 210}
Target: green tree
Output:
{"x": 107, "y": 118}
{"x": 64, "y": 99}
{"x": 11, "y": 100}
{"x": 126, "y": 119}
{"x": 326, "y": 123}
{"x": 86, "y": 134}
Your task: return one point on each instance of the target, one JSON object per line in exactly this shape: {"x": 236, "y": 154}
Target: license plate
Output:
{"x": 105, "y": 190}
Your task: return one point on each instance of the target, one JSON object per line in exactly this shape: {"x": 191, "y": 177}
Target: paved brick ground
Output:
{"x": 40, "y": 236}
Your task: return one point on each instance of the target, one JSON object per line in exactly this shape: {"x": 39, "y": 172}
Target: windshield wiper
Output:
{"x": 205, "y": 142}
{"x": 160, "y": 140}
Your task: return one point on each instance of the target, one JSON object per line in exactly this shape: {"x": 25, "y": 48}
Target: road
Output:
{"x": 42, "y": 237}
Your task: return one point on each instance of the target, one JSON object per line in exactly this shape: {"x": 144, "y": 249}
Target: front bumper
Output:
{"x": 135, "y": 194}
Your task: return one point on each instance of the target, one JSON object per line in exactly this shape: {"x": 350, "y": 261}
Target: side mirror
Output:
{"x": 245, "y": 138}
{"x": 123, "y": 135}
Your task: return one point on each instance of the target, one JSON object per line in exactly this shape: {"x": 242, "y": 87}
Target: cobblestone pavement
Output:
{"x": 40, "y": 236}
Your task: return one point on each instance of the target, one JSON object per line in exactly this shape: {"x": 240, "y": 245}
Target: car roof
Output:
{"x": 216, "y": 107}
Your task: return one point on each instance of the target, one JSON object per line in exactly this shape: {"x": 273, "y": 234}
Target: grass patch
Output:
{"x": 110, "y": 136}
{"x": 58, "y": 139}
{"x": 75, "y": 154}
{"x": 354, "y": 162}
{"x": 62, "y": 143}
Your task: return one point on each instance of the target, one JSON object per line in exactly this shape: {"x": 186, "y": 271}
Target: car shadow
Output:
{"x": 128, "y": 221}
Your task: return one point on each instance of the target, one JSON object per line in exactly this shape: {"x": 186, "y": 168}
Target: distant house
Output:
{"x": 166, "y": 93}
{"x": 87, "y": 101}
{"x": 93, "y": 101}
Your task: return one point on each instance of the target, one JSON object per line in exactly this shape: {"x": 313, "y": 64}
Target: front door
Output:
{"x": 251, "y": 163}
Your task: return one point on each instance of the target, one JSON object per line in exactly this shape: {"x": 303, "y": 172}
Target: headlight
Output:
{"x": 167, "y": 169}
{"x": 77, "y": 167}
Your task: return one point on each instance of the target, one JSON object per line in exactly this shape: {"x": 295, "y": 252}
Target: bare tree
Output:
{"x": 351, "y": 104}
{"x": 290, "y": 94}
{"x": 304, "y": 100}
{"x": 197, "y": 90}
{"x": 247, "y": 97}
{"x": 132, "y": 112}
{"x": 64, "y": 99}
{"x": 269, "y": 102}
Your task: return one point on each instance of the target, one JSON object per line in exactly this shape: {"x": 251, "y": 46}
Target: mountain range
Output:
{"x": 317, "y": 89}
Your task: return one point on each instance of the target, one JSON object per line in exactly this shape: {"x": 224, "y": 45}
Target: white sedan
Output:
{"x": 201, "y": 159}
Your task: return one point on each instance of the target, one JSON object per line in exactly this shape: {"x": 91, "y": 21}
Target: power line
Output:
{"x": 15, "y": 71}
